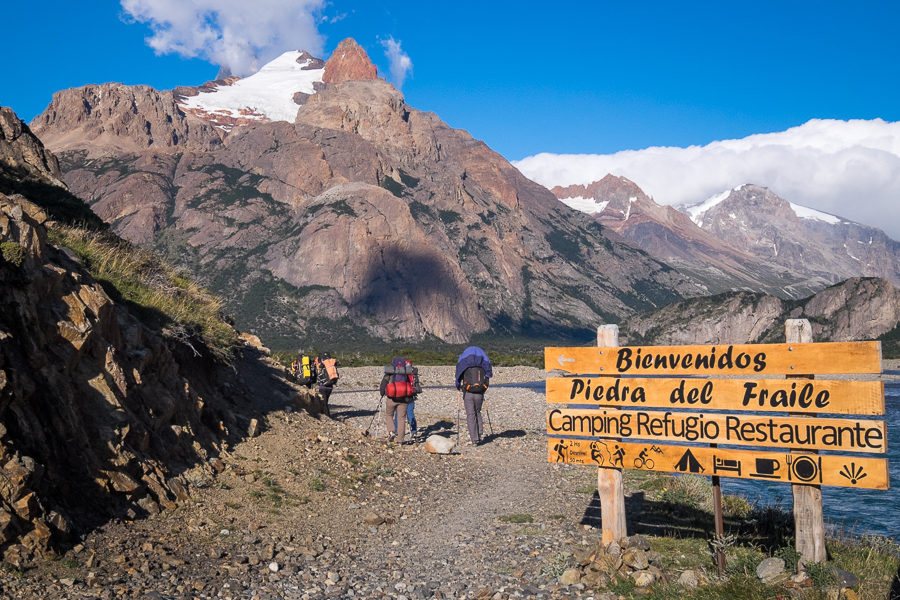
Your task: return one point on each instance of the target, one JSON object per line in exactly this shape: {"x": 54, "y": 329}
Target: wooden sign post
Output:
{"x": 679, "y": 408}
{"x": 610, "y": 484}
{"x": 809, "y": 518}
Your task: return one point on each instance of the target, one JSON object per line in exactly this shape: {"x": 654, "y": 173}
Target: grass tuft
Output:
{"x": 517, "y": 518}
{"x": 163, "y": 297}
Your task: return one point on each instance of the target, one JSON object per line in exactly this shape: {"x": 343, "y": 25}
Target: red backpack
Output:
{"x": 404, "y": 380}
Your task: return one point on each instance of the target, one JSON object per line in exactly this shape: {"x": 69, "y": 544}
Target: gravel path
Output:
{"x": 312, "y": 509}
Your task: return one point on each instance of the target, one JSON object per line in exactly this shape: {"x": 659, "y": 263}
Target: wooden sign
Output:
{"x": 786, "y": 466}
{"x": 710, "y": 428}
{"x": 747, "y": 359}
{"x": 762, "y": 395}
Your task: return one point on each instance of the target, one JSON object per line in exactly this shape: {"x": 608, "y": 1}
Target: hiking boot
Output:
{"x": 392, "y": 437}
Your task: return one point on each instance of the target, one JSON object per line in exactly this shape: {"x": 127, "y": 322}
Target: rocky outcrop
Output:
{"x": 855, "y": 310}
{"x": 22, "y": 155}
{"x": 369, "y": 219}
{"x": 349, "y": 62}
{"x": 123, "y": 119}
{"x": 92, "y": 404}
{"x": 101, "y": 416}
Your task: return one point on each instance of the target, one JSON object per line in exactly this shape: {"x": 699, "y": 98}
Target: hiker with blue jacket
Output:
{"x": 473, "y": 374}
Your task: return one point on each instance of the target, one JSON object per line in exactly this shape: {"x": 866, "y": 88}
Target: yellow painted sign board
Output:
{"x": 710, "y": 428}
{"x": 746, "y": 359}
{"x": 762, "y": 395}
{"x": 786, "y": 466}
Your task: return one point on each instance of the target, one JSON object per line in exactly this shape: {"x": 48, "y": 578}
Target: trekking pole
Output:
{"x": 377, "y": 411}
{"x": 488, "y": 413}
{"x": 458, "y": 402}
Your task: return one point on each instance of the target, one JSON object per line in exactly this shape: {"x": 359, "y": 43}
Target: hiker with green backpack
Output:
{"x": 473, "y": 374}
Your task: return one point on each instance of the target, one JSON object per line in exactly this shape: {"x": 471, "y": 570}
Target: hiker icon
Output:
{"x": 597, "y": 452}
{"x": 618, "y": 455}
{"x": 561, "y": 450}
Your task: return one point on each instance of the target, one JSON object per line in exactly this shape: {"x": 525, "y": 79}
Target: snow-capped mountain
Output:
{"x": 806, "y": 240}
{"x": 618, "y": 204}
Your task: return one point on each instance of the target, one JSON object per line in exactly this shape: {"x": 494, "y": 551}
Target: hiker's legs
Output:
{"x": 411, "y": 417}
{"x": 390, "y": 416}
{"x": 473, "y": 403}
{"x": 394, "y": 419}
{"x": 325, "y": 392}
{"x": 401, "y": 421}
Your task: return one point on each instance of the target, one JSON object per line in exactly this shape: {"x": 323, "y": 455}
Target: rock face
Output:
{"x": 22, "y": 154}
{"x": 122, "y": 119}
{"x": 856, "y": 310}
{"x": 349, "y": 62}
{"x": 100, "y": 415}
{"x": 363, "y": 219}
{"x": 718, "y": 248}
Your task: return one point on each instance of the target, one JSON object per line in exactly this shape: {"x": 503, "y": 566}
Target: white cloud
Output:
{"x": 238, "y": 35}
{"x": 400, "y": 63}
{"x": 847, "y": 168}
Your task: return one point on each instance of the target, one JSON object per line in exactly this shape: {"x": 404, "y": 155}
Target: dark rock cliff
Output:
{"x": 101, "y": 415}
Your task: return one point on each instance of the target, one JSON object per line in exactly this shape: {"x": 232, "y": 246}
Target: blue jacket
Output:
{"x": 473, "y": 356}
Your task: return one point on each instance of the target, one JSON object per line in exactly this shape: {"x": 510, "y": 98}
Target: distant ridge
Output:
{"x": 743, "y": 239}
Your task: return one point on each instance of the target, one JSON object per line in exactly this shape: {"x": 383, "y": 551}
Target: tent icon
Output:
{"x": 688, "y": 463}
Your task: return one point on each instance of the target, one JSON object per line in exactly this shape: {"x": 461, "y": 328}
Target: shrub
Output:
{"x": 736, "y": 506}
{"x": 790, "y": 556}
{"x": 13, "y": 253}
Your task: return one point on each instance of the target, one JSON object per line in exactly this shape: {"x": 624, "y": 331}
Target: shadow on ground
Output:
{"x": 768, "y": 527}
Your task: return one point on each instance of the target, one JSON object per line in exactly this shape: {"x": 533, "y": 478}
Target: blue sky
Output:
{"x": 565, "y": 77}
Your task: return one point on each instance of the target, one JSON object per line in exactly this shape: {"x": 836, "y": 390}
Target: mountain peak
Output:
{"x": 349, "y": 62}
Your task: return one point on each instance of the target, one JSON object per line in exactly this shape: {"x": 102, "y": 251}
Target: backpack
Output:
{"x": 403, "y": 379}
{"x": 305, "y": 370}
{"x": 327, "y": 370}
{"x": 414, "y": 377}
{"x": 474, "y": 380}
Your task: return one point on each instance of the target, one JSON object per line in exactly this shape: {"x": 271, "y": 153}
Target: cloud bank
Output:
{"x": 238, "y": 35}
{"x": 846, "y": 168}
{"x": 400, "y": 63}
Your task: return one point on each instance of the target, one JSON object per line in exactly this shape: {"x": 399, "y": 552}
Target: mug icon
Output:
{"x": 767, "y": 466}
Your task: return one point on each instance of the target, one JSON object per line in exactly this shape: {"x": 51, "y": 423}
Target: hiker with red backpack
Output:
{"x": 399, "y": 385}
{"x": 473, "y": 374}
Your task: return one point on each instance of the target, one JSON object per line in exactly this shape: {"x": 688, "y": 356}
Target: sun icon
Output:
{"x": 853, "y": 473}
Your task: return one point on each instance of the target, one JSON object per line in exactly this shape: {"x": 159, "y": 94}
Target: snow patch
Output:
{"x": 810, "y": 213}
{"x": 268, "y": 94}
{"x": 697, "y": 211}
{"x": 586, "y": 205}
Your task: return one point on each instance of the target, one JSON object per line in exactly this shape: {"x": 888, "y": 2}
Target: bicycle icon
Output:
{"x": 642, "y": 462}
